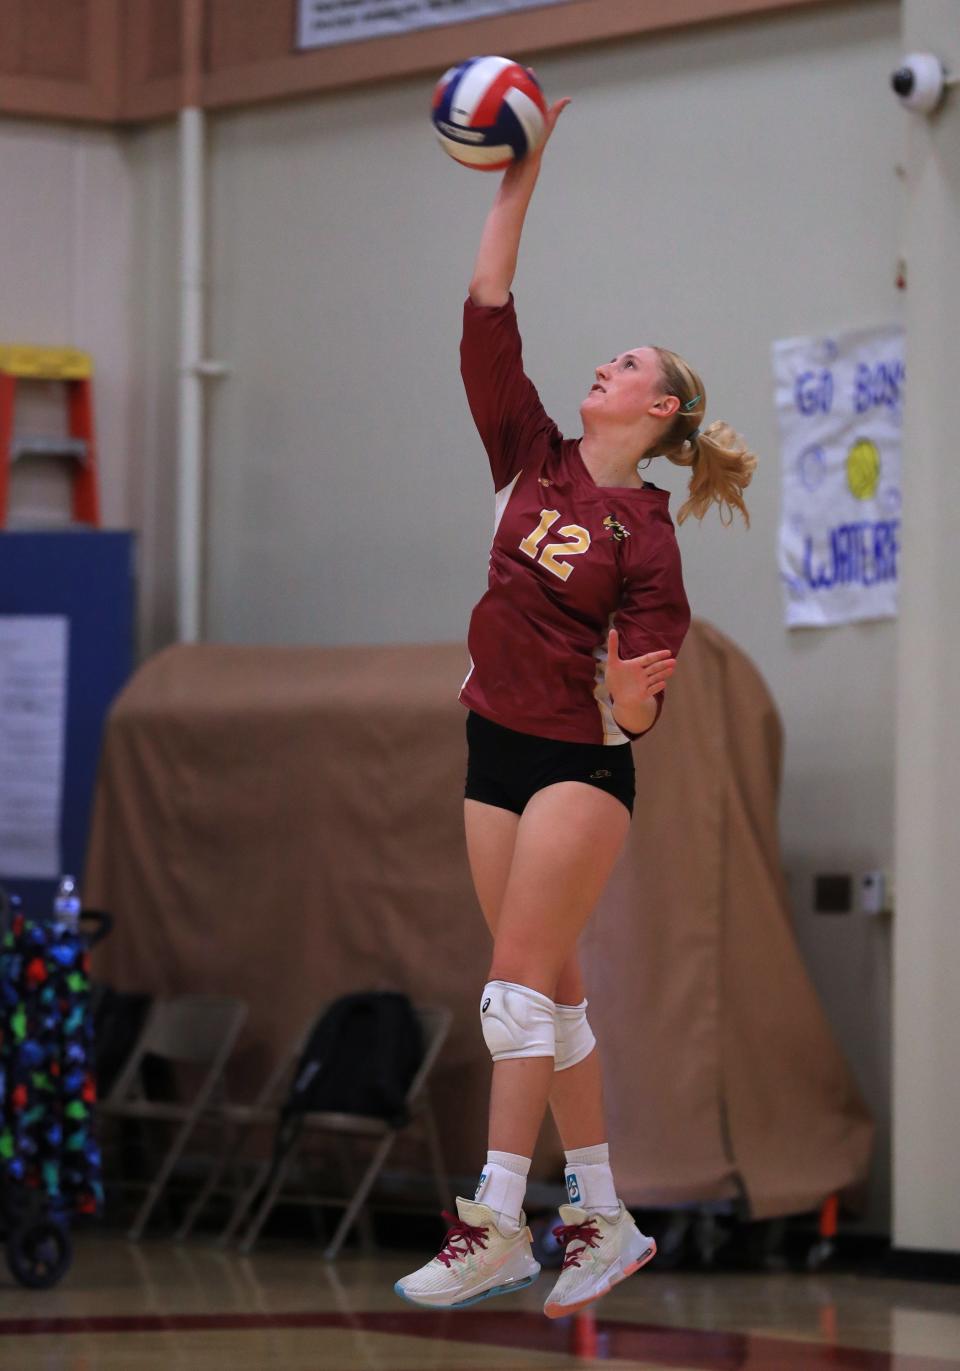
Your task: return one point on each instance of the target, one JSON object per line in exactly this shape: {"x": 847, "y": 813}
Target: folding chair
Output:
{"x": 435, "y": 1023}
{"x": 189, "y": 1030}
{"x": 240, "y": 1121}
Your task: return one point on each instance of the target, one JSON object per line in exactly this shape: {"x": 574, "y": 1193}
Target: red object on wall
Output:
{"x": 86, "y": 504}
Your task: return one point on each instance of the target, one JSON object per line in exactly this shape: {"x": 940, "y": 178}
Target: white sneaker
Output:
{"x": 599, "y": 1253}
{"x": 475, "y": 1262}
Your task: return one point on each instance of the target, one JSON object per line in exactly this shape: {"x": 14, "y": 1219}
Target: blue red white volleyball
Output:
{"x": 489, "y": 112}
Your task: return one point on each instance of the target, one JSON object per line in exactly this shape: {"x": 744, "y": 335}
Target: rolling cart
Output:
{"x": 50, "y": 1166}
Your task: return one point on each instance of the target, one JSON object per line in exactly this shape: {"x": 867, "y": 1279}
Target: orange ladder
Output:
{"x": 21, "y": 362}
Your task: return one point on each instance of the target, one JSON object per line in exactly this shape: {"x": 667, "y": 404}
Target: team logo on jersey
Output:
{"x": 573, "y": 1189}
{"x": 617, "y": 529}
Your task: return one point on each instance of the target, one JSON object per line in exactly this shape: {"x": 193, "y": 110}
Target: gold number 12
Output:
{"x": 578, "y": 544}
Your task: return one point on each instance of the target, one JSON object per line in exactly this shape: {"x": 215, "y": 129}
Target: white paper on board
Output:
{"x": 321, "y": 23}
{"x": 33, "y": 711}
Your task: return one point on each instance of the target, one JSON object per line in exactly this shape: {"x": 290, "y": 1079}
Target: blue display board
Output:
{"x": 88, "y": 576}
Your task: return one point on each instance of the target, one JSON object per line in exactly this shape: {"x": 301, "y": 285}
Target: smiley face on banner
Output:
{"x": 863, "y": 469}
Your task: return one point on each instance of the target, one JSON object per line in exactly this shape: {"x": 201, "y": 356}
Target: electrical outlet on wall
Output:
{"x": 833, "y": 894}
{"x": 875, "y": 893}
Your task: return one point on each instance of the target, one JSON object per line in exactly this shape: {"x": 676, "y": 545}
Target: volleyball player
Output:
{"x": 571, "y": 648}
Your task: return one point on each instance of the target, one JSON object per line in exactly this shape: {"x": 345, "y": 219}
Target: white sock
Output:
{"x": 502, "y": 1186}
{"x": 589, "y": 1180}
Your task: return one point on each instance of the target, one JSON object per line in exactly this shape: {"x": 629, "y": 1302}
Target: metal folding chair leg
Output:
{"x": 360, "y": 1195}
{"x": 350, "y": 1179}
{"x": 159, "y": 1184}
{"x": 242, "y": 1207}
{"x": 230, "y": 1150}
{"x": 269, "y": 1200}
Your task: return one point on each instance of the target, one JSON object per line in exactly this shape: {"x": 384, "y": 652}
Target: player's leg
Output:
{"x": 576, "y": 1090}
{"x": 487, "y": 1251}
{"x": 602, "y": 1244}
{"x": 567, "y": 841}
{"x": 477, "y": 1260}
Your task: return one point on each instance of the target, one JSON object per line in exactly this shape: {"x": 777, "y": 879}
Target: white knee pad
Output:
{"x": 574, "y": 1038}
{"x": 516, "y": 1021}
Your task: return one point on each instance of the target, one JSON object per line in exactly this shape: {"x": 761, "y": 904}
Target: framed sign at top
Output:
{"x": 323, "y": 23}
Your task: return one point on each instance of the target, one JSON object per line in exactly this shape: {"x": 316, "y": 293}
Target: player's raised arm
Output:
{"x": 496, "y": 262}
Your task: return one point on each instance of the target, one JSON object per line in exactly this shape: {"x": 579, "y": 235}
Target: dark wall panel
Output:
{"x": 121, "y": 60}
{"x": 60, "y": 59}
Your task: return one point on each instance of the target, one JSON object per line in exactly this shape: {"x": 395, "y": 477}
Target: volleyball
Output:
{"x": 488, "y": 112}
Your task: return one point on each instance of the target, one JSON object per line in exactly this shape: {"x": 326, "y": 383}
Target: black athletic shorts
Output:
{"x": 505, "y": 768}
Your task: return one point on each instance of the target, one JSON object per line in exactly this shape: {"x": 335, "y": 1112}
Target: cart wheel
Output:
{"x": 820, "y": 1254}
{"x": 39, "y": 1255}
{"x": 674, "y": 1239}
{"x": 546, "y": 1250}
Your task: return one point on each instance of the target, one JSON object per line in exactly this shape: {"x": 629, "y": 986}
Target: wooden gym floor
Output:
{"x": 194, "y": 1308}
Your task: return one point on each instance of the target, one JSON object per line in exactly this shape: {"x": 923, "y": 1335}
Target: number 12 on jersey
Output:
{"x": 550, "y": 556}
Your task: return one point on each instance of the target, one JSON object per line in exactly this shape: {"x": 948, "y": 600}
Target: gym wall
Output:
{"x": 712, "y": 189}
{"x": 66, "y": 244}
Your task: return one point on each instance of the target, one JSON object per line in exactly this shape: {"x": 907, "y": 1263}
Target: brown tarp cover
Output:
{"x": 285, "y": 824}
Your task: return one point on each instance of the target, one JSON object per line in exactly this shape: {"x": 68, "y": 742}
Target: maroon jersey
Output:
{"x": 569, "y": 559}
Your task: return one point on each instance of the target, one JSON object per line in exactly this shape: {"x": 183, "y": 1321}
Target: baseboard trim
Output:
{"x": 921, "y": 1264}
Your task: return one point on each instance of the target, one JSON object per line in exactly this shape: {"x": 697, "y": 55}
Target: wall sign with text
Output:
{"x": 321, "y": 23}
{"x": 840, "y": 406}
{"x": 33, "y": 707}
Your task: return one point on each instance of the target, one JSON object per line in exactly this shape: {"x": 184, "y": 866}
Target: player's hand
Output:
{"x": 639, "y": 678}
{"x": 553, "y": 114}
{"x": 532, "y": 160}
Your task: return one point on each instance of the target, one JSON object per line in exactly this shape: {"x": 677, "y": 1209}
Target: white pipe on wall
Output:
{"x": 190, "y": 383}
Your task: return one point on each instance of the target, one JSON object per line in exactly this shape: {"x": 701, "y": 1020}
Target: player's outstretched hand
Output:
{"x": 519, "y": 172}
{"x": 639, "y": 678}
{"x": 553, "y": 114}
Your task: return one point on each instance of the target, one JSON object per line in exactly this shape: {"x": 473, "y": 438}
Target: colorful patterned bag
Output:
{"x": 48, "y": 1143}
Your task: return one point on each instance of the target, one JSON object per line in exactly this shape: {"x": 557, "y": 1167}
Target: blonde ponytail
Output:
{"x": 722, "y": 465}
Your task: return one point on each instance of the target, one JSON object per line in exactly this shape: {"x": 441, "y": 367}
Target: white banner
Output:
{"x": 321, "y": 23}
{"x": 840, "y": 406}
{"x": 33, "y": 707}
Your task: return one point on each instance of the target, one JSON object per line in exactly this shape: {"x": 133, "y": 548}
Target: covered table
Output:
{"x": 285, "y": 824}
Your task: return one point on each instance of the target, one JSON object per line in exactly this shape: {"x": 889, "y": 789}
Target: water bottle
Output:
{"x": 66, "y": 905}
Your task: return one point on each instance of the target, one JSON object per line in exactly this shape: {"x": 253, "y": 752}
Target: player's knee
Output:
{"x": 573, "y": 1035}
{"x": 516, "y": 1021}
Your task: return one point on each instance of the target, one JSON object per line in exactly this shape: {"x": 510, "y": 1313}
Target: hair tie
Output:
{"x": 694, "y": 434}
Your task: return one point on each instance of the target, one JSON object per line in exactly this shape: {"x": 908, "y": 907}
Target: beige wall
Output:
{"x": 152, "y": 165}
{"x": 66, "y": 236}
{"x": 711, "y": 190}
{"x": 926, "y": 1038}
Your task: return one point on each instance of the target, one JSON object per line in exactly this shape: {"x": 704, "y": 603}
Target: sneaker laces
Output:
{"x": 586, "y": 1232}
{"x": 460, "y": 1232}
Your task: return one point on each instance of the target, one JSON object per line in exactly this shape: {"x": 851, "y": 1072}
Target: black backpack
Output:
{"x": 360, "y": 1058}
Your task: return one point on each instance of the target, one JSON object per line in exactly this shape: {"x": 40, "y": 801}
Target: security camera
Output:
{"x": 920, "y": 81}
